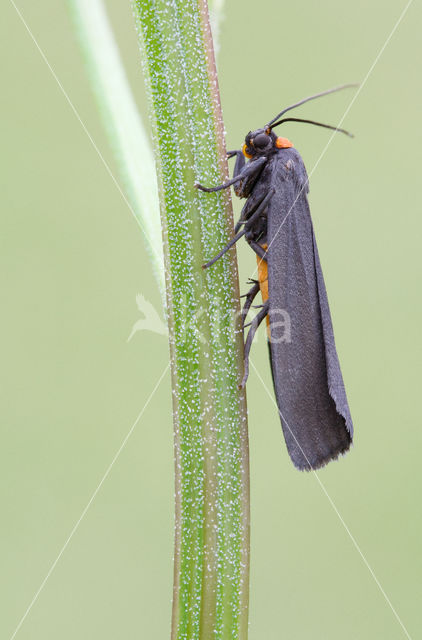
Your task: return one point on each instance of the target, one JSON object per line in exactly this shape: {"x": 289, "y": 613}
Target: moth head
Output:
{"x": 259, "y": 142}
{"x": 262, "y": 142}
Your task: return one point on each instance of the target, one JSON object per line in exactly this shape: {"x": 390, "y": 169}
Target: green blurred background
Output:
{"x": 72, "y": 262}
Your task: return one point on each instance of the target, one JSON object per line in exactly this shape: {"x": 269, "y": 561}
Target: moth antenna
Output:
{"x": 318, "y": 124}
{"x": 316, "y": 95}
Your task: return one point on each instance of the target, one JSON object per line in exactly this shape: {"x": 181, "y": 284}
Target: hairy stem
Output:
{"x": 211, "y": 574}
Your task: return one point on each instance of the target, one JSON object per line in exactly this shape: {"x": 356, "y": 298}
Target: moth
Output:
{"x": 276, "y": 222}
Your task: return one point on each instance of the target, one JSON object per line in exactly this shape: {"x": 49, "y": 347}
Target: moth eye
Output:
{"x": 260, "y": 141}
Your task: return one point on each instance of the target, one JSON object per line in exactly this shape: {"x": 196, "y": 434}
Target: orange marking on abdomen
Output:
{"x": 263, "y": 280}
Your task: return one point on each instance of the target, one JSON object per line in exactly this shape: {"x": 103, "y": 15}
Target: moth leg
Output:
{"x": 247, "y": 170}
{"x": 224, "y": 249}
{"x": 238, "y": 168}
{"x": 257, "y": 248}
{"x": 250, "y": 296}
{"x": 248, "y": 224}
{"x": 248, "y": 343}
{"x": 248, "y": 217}
{"x": 242, "y": 220}
{"x": 245, "y": 214}
{"x": 240, "y": 160}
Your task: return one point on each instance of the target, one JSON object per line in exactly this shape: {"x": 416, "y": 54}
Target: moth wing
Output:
{"x": 308, "y": 383}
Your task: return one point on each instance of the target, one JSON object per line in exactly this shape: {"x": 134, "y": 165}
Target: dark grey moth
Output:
{"x": 276, "y": 223}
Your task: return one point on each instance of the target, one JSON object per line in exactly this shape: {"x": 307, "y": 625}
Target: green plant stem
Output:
{"x": 211, "y": 574}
